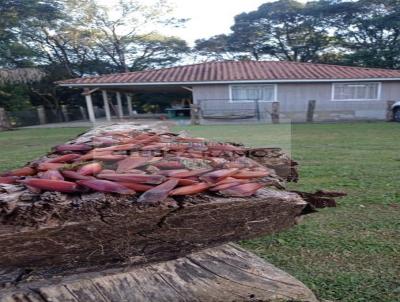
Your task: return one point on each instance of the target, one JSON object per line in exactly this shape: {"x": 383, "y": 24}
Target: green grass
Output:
{"x": 348, "y": 253}
{"x": 19, "y": 146}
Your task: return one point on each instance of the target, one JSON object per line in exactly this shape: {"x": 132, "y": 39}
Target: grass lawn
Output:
{"x": 19, "y": 146}
{"x": 348, "y": 253}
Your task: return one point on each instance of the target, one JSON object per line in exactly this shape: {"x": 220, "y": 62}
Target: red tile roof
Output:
{"x": 239, "y": 71}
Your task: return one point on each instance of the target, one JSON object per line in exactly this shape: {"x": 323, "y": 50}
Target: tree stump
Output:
{"x": 109, "y": 247}
{"x": 62, "y": 234}
{"x": 223, "y": 273}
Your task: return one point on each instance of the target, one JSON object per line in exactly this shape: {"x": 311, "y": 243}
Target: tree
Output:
{"x": 13, "y": 86}
{"x": 15, "y": 13}
{"x": 284, "y": 30}
{"x": 83, "y": 38}
{"x": 72, "y": 38}
{"x": 362, "y": 33}
{"x": 219, "y": 48}
{"x": 127, "y": 40}
{"x": 369, "y": 30}
{"x": 20, "y": 75}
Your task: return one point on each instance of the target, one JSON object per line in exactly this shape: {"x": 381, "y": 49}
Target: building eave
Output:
{"x": 225, "y": 82}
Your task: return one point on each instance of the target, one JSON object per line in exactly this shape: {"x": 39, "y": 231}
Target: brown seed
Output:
{"x": 158, "y": 193}
{"x": 130, "y": 163}
{"x": 51, "y": 185}
{"x": 25, "y": 171}
{"x": 49, "y": 166}
{"x": 242, "y": 190}
{"x": 105, "y": 186}
{"x": 9, "y": 180}
{"x": 250, "y": 174}
{"x": 52, "y": 174}
{"x": 218, "y": 175}
{"x": 136, "y": 178}
{"x": 64, "y": 158}
{"x": 190, "y": 190}
{"x": 90, "y": 169}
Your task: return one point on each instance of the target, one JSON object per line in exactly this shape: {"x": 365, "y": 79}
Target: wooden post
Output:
{"x": 130, "y": 109}
{"x": 119, "y": 105}
{"x": 194, "y": 114}
{"x": 389, "y": 111}
{"x": 64, "y": 110}
{"x": 89, "y": 105}
{"x": 310, "y": 111}
{"x": 257, "y": 105}
{"x": 41, "y": 115}
{"x": 106, "y": 105}
{"x": 4, "y": 121}
{"x": 96, "y": 110}
{"x": 275, "y": 113}
{"x": 83, "y": 113}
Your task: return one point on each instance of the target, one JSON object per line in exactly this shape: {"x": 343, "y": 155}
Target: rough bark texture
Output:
{"x": 224, "y": 273}
{"x": 65, "y": 234}
{"x": 276, "y": 159}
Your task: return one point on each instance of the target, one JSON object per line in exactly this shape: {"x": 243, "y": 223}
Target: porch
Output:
{"x": 120, "y": 102}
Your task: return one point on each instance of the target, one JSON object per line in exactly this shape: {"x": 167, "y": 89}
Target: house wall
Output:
{"x": 293, "y": 99}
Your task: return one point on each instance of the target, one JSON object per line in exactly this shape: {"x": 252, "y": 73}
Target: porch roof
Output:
{"x": 235, "y": 72}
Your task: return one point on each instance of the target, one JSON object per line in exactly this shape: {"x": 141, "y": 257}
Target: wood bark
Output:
{"x": 310, "y": 111}
{"x": 276, "y": 159}
{"x": 224, "y": 273}
{"x": 54, "y": 233}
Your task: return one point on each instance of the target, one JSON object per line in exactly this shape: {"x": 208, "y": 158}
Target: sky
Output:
{"x": 207, "y": 17}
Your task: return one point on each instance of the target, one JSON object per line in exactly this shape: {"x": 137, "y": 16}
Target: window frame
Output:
{"x": 275, "y": 93}
{"x": 379, "y": 90}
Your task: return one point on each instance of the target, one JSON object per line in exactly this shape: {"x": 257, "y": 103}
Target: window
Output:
{"x": 355, "y": 91}
{"x": 249, "y": 93}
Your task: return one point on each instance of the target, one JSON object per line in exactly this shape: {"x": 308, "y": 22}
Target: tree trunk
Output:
{"x": 224, "y": 273}
{"x": 54, "y": 233}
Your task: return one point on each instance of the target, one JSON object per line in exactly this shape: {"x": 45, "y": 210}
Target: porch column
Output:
{"x": 106, "y": 105}
{"x": 89, "y": 105}
{"x": 119, "y": 102}
{"x": 130, "y": 109}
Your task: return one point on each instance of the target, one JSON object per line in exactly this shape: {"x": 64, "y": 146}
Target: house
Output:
{"x": 249, "y": 91}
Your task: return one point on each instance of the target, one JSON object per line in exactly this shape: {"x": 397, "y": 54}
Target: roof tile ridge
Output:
{"x": 335, "y": 65}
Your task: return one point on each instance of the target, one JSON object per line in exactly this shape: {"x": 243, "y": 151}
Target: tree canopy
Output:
{"x": 363, "y": 33}
{"x": 72, "y": 38}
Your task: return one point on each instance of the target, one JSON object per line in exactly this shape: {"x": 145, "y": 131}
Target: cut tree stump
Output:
{"x": 109, "y": 247}
{"x": 224, "y": 273}
{"x": 102, "y": 230}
